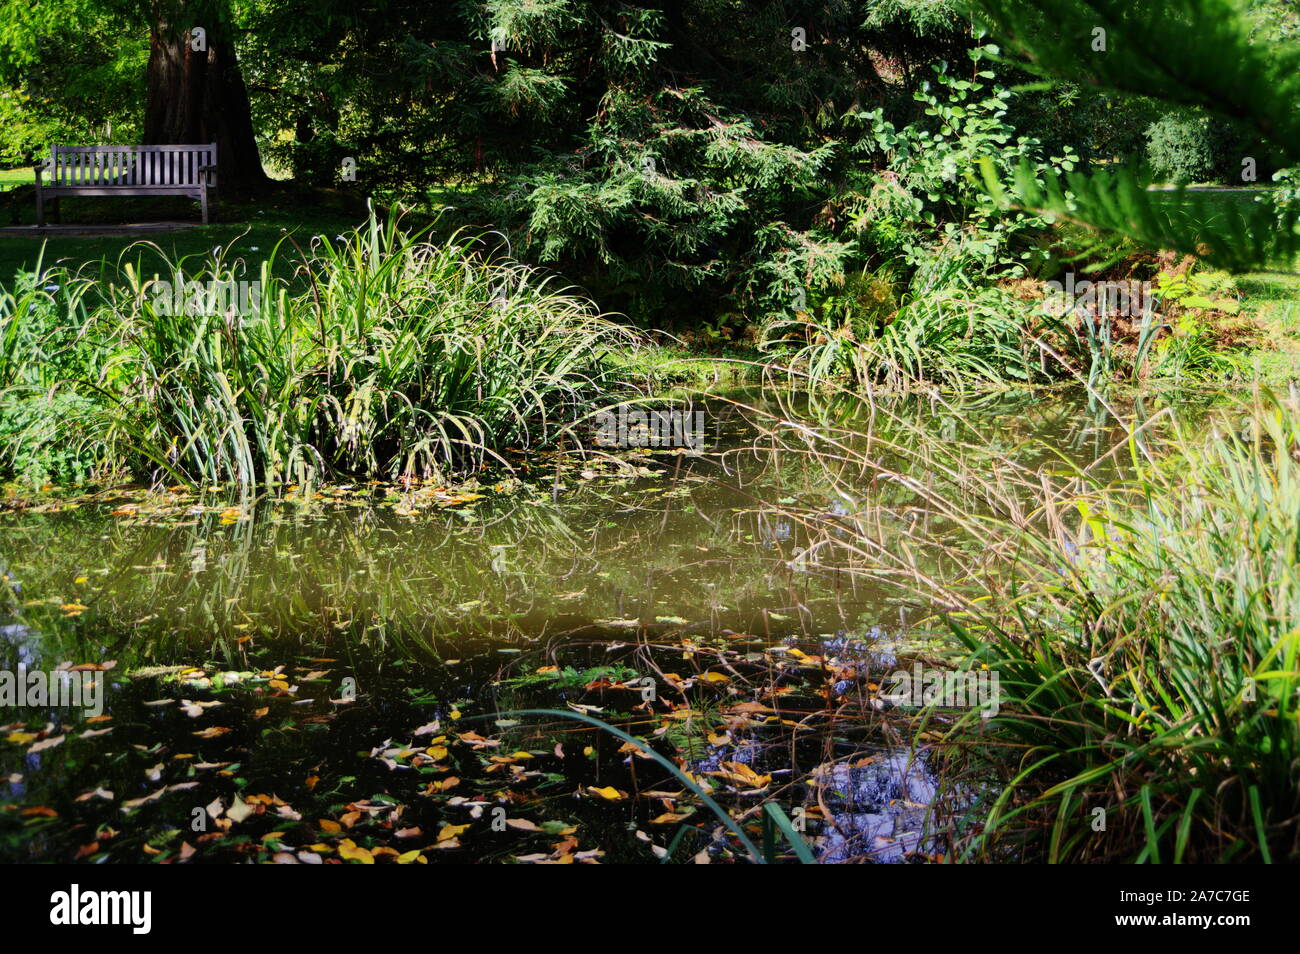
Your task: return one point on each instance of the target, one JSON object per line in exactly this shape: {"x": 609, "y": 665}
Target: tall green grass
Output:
{"x": 941, "y": 328}
{"x": 1147, "y": 635}
{"x": 385, "y": 356}
{"x": 1142, "y": 612}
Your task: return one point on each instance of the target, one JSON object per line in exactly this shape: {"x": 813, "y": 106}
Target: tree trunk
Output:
{"x": 198, "y": 96}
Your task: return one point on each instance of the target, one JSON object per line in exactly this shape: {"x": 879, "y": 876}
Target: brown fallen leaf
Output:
{"x": 97, "y": 793}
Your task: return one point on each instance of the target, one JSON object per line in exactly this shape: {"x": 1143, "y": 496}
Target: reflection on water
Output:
{"x": 606, "y": 550}
{"x": 879, "y": 810}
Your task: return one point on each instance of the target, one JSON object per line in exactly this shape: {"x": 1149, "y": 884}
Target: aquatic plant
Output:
{"x": 388, "y": 356}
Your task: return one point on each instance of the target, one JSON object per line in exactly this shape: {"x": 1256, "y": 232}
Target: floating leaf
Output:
{"x": 351, "y": 851}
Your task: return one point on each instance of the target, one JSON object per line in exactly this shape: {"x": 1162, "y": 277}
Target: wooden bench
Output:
{"x": 127, "y": 170}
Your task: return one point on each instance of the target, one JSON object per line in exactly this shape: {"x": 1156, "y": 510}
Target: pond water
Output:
{"x": 334, "y": 675}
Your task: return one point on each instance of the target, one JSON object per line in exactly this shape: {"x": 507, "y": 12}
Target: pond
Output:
{"x": 337, "y": 675}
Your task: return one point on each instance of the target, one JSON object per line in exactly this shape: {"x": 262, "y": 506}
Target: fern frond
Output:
{"x": 1187, "y": 52}
{"x": 1236, "y": 236}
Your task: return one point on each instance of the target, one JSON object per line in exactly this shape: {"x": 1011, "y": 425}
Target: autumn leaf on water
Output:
{"x": 212, "y": 732}
{"x": 350, "y": 851}
{"x": 668, "y": 818}
{"x": 134, "y": 803}
{"x": 741, "y": 775}
{"x": 46, "y": 744}
{"x": 437, "y": 788}
{"x": 609, "y": 793}
{"x": 448, "y": 832}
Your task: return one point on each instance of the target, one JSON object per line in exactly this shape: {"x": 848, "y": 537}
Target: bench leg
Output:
{"x": 40, "y": 209}
{"x": 203, "y": 202}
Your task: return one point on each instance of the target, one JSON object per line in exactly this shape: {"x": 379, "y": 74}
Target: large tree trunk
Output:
{"x": 199, "y": 96}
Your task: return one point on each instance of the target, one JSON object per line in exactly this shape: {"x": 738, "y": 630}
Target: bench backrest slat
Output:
{"x": 127, "y": 166}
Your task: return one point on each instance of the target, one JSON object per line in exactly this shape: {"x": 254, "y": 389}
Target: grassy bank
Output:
{"x": 389, "y": 357}
{"x": 1141, "y": 615}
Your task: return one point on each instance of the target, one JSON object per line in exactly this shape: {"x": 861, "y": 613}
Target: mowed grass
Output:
{"x": 11, "y": 178}
{"x": 248, "y": 228}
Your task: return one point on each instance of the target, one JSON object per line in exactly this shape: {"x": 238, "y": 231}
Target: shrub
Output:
{"x": 1181, "y": 148}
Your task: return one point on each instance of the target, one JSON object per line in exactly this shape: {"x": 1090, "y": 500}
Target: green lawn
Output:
{"x": 1272, "y": 301}
{"x": 253, "y": 227}
{"x": 9, "y": 178}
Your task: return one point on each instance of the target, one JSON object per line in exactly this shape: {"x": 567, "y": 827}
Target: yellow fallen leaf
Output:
{"x": 451, "y": 831}
{"x": 609, "y": 792}
{"x": 667, "y": 818}
{"x": 738, "y": 773}
{"x": 412, "y": 858}
{"x": 350, "y": 851}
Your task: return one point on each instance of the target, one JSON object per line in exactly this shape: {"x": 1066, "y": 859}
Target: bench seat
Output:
{"x": 127, "y": 171}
